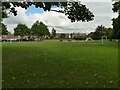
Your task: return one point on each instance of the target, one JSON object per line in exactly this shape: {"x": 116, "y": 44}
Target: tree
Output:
{"x": 109, "y": 33}
{"x": 116, "y": 21}
{"x": 78, "y": 12}
{"x": 74, "y": 10}
{"x": 39, "y": 29}
{"x": 93, "y": 35}
{"x": 116, "y": 7}
{"x": 53, "y": 33}
{"x": 22, "y": 30}
{"x": 3, "y": 31}
{"x": 62, "y": 36}
{"x": 116, "y": 27}
{"x": 101, "y": 31}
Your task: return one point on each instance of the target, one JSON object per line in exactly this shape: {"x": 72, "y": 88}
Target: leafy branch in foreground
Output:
{"x": 74, "y": 10}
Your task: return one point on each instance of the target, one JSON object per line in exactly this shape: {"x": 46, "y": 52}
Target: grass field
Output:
{"x": 52, "y": 64}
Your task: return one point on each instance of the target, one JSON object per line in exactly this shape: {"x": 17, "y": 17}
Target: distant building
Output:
{"x": 70, "y": 35}
{"x": 9, "y": 36}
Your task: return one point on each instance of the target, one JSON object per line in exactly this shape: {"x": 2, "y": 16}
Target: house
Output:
{"x": 70, "y": 35}
{"x": 9, "y": 37}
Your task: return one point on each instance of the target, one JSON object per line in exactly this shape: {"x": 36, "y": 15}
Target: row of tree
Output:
{"x": 96, "y": 35}
{"x": 102, "y": 31}
{"x": 38, "y": 29}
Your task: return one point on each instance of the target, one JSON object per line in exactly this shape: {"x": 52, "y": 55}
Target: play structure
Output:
{"x": 89, "y": 39}
{"x": 104, "y": 37}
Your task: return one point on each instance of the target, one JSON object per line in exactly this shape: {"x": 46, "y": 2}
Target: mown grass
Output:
{"x": 55, "y": 64}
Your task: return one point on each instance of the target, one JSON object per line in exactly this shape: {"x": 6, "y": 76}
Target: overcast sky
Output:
{"x": 102, "y": 11}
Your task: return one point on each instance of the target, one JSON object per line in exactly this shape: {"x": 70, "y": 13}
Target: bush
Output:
{"x": 61, "y": 39}
{"x": 79, "y": 38}
{"x": 69, "y": 40}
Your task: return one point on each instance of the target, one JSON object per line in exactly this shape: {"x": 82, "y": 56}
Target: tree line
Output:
{"x": 102, "y": 31}
{"x": 38, "y": 30}
{"x": 96, "y": 35}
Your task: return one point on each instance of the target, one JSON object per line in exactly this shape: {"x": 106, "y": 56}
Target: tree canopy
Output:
{"x": 3, "y": 30}
{"x": 116, "y": 7}
{"x": 74, "y": 10}
{"x": 39, "y": 29}
{"x": 116, "y": 21}
{"x": 53, "y": 33}
{"x": 101, "y": 31}
{"x": 21, "y": 30}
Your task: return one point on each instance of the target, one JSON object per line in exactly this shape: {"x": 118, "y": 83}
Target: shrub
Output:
{"x": 61, "y": 39}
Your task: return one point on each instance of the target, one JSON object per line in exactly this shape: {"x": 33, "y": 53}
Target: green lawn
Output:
{"x": 52, "y": 64}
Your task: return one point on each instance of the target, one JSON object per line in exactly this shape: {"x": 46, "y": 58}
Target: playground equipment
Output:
{"x": 103, "y": 39}
{"x": 89, "y": 39}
